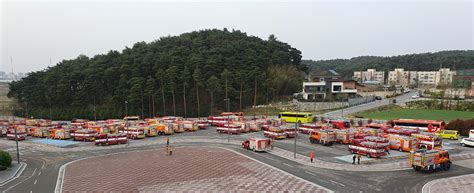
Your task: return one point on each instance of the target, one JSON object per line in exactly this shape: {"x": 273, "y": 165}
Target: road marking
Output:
{"x": 39, "y": 174}
{"x": 310, "y": 173}
{"x": 288, "y": 165}
{"x": 337, "y": 183}
{"x": 31, "y": 191}
{"x": 34, "y": 172}
{"x": 35, "y": 181}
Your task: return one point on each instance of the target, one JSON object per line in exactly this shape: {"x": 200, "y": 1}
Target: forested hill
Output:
{"x": 426, "y": 61}
{"x": 167, "y": 76}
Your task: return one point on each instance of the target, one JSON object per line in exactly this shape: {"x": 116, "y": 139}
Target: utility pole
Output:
{"x": 228, "y": 117}
{"x": 16, "y": 136}
{"x": 95, "y": 114}
{"x": 296, "y": 130}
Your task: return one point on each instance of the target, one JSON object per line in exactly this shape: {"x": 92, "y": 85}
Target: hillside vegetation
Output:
{"x": 419, "y": 62}
{"x": 176, "y": 75}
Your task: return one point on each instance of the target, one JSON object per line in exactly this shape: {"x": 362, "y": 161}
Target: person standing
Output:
{"x": 167, "y": 141}
{"x": 311, "y": 156}
{"x": 358, "y": 158}
{"x": 353, "y": 159}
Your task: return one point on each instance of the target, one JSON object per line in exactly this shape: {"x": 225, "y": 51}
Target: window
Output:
{"x": 337, "y": 88}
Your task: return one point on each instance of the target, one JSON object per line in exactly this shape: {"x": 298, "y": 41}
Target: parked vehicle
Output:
{"x": 449, "y": 134}
{"x": 467, "y": 142}
{"x": 202, "y": 124}
{"x": 325, "y": 137}
{"x": 84, "y": 135}
{"x": 344, "y": 136}
{"x": 427, "y": 141}
{"x": 296, "y": 117}
{"x": 41, "y": 132}
{"x": 163, "y": 129}
{"x": 430, "y": 160}
{"x": 340, "y": 124}
{"x": 308, "y": 128}
{"x": 369, "y": 149}
{"x": 275, "y": 133}
{"x": 20, "y": 134}
{"x": 111, "y": 139}
{"x": 229, "y": 128}
{"x": 59, "y": 133}
{"x": 401, "y": 143}
{"x": 150, "y": 131}
{"x": 189, "y": 126}
{"x": 134, "y": 132}
{"x": 290, "y": 132}
{"x": 257, "y": 144}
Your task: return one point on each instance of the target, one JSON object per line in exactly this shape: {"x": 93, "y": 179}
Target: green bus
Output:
{"x": 293, "y": 117}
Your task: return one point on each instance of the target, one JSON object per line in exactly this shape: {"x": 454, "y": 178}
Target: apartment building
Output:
{"x": 399, "y": 76}
{"x": 371, "y": 75}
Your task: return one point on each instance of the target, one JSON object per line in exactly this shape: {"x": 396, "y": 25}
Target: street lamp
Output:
{"x": 228, "y": 117}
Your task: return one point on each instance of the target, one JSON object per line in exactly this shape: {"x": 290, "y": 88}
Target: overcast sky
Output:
{"x": 34, "y": 31}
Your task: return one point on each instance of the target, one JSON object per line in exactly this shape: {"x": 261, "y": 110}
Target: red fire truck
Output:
{"x": 340, "y": 124}
{"x": 401, "y": 142}
{"x": 229, "y": 128}
{"x": 344, "y": 136}
{"x": 275, "y": 133}
{"x": 369, "y": 149}
{"x": 308, "y": 128}
{"x": 111, "y": 139}
{"x": 202, "y": 124}
{"x": 20, "y": 134}
{"x": 325, "y": 137}
{"x": 427, "y": 141}
{"x": 84, "y": 135}
{"x": 290, "y": 132}
{"x": 256, "y": 144}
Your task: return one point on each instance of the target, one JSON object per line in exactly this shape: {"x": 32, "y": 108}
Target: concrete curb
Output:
{"x": 17, "y": 174}
{"x": 427, "y": 187}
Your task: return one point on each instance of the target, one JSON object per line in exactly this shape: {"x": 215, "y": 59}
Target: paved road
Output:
{"x": 378, "y": 103}
{"x": 43, "y": 166}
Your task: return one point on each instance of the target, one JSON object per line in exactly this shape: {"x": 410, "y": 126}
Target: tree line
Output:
{"x": 455, "y": 59}
{"x": 192, "y": 74}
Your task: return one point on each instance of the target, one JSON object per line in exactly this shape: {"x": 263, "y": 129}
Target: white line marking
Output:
{"x": 31, "y": 191}
{"x": 337, "y": 183}
{"x": 35, "y": 181}
{"x": 34, "y": 172}
{"x": 310, "y": 173}
{"x": 288, "y": 165}
{"x": 39, "y": 174}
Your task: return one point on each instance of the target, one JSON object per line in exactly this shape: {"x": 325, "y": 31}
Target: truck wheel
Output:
{"x": 451, "y": 138}
{"x": 447, "y": 166}
{"x": 368, "y": 155}
{"x": 400, "y": 149}
{"x": 462, "y": 144}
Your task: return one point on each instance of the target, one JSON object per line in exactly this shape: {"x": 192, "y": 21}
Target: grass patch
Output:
{"x": 401, "y": 113}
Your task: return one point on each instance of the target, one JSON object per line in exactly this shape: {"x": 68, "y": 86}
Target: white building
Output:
{"x": 369, "y": 75}
{"x": 406, "y": 78}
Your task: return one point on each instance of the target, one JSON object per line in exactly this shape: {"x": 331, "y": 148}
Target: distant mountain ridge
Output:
{"x": 454, "y": 59}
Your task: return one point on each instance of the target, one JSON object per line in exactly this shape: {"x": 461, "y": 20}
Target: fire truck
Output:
{"x": 255, "y": 125}
{"x": 229, "y": 128}
{"x": 340, "y": 124}
{"x": 163, "y": 129}
{"x": 325, "y": 137}
{"x": 84, "y": 135}
{"x": 272, "y": 123}
{"x": 308, "y": 128}
{"x": 369, "y": 149}
{"x": 344, "y": 136}
{"x": 20, "y": 134}
{"x": 189, "y": 126}
{"x": 430, "y": 160}
{"x": 275, "y": 133}
{"x": 256, "y": 144}
{"x": 134, "y": 132}
{"x": 400, "y": 142}
{"x": 59, "y": 133}
{"x": 202, "y": 124}
{"x": 427, "y": 141}
{"x": 41, "y": 132}
{"x": 150, "y": 131}
{"x": 111, "y": 139}
{"x": 290, "y": 132}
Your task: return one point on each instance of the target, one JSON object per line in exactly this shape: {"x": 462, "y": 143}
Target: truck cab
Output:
{"x": 430, "y": 160}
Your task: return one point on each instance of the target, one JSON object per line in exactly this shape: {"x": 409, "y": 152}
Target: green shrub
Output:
{"x": 5, "y": 159}
{"x": 462, "y": 126}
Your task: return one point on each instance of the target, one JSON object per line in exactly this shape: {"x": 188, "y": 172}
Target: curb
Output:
{"x": 16, "y": 174}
